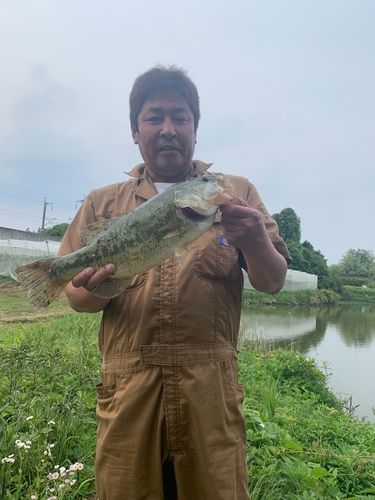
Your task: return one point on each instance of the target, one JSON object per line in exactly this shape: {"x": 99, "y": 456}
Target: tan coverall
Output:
{"x": 169, "y": 374}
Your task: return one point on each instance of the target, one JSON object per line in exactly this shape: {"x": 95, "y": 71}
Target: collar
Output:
{"x": 140, "y": 171}
{"x": 145, "y": 188}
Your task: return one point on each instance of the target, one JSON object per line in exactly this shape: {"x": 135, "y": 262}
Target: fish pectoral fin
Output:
{"x": 89, "y": 232}
{"x": 168, "y": 232}
{"x": 182, "y": 253}
{"x": 110, "y": 288}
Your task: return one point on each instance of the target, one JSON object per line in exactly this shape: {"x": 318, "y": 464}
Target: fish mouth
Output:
{"x": 191, "y": 214}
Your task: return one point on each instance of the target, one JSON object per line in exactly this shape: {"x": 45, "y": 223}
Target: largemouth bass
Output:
{"x": 164, "y": 225}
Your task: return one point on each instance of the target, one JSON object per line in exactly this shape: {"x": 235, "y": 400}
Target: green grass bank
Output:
{"x": 295, "y": 298}
{"x": 301, "y": 443}
{"x": 311, "y": 297}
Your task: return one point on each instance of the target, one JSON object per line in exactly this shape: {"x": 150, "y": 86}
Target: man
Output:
{"x": 169, "y": 405}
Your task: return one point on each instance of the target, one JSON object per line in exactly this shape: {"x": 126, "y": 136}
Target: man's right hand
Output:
{"x": 79, "y": 290}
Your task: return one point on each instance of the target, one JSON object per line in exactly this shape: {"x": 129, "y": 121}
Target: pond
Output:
{"x": 341, "y": 338}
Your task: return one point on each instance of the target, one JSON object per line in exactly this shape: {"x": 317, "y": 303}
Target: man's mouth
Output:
{"x": 168, "y": 148}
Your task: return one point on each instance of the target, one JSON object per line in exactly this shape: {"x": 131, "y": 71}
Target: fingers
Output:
{"x": 241, "y": 211}
{"x": 89, "y": 279}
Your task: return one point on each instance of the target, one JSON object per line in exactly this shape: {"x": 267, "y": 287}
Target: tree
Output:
{"x": 304, "y": 256}
{"x": 289, "y": 225}
{"x": 357, "y": 263}
{"x": 58, "y": 230}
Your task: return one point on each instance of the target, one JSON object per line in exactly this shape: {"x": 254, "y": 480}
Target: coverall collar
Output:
{"x": 145, "y": 187}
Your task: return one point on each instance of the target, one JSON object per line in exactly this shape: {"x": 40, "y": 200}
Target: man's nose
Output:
{"x": 168, "y": 129}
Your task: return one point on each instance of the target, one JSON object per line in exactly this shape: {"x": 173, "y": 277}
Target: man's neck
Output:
{"x": 171, "y": 179}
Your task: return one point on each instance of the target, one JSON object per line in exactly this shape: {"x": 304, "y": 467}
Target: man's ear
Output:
{"x": 134, "y": 134}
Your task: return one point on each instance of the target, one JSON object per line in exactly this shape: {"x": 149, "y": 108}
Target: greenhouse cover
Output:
{"x": 295, "y": 280}
{"x": 14, "y": 253}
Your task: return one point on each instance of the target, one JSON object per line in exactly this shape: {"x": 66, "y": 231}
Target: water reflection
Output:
{"x": 342, "y": 335}
{"x": 307, "y": 326}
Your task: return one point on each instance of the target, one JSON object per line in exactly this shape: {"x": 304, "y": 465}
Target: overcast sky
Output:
{"x": 287, "y": 100}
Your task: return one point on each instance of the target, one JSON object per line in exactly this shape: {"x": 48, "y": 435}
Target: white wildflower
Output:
{"x": 29, "y": 418}
{"x": 51, "y": 422}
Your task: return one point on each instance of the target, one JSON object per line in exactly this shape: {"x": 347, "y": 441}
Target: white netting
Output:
{"x": 295, "y": 280}
{"x": 14, "y": 253}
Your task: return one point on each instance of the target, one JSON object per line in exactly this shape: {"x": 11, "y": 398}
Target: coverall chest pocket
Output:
{"x": 214, "y": 258}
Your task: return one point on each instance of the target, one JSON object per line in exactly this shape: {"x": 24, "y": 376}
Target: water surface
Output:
{"x": 341, "y": 338}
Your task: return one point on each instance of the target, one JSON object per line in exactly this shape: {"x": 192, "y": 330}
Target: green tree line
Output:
{"x": 356, "y": 267}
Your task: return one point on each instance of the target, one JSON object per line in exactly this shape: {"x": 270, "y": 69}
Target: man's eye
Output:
{"x": 154, "y": 119}
{"x": 179, "y": 119}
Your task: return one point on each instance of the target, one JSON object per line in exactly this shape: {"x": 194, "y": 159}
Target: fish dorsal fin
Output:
{"x": 182, "y": 253}
{"x": 110, "y": 288}
{"x": 89, "y": 232}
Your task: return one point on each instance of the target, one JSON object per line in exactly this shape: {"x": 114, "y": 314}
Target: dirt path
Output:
{"x": 18, "y": 310}
{"x": 12, "y": 289}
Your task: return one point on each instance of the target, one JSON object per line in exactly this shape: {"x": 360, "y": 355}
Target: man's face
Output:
{"x": 166, "y": 137}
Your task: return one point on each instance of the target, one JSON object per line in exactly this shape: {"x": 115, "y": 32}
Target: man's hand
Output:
{"x": 242, "y": 224}
{"x": 79, "y": 290}
{"x": 244, "y": 228}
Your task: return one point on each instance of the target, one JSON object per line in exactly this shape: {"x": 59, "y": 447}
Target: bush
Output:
{"x": 358, "y": 294}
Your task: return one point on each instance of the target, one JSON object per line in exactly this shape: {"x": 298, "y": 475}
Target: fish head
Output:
{"x": 201, "y": 196}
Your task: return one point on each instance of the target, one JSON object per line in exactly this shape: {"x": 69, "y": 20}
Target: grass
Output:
{"x": 15, "y": 306}
{"x": 48, "y": 372}
{"x": 294, "y": 298}
{"x": 301, "y": 443}
{"x": 358, "y": 294}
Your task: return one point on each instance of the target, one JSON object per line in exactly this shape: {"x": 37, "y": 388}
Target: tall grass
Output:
{"x": 47, "y": 376}
{"x": 301, "y": 443}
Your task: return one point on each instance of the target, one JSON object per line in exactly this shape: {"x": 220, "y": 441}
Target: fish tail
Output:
{"x": 40, "y": 282}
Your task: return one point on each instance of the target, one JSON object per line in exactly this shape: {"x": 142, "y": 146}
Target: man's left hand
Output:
{"x": 242, "y": 224}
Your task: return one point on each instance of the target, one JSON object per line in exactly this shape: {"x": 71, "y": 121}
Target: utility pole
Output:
{"x": 44, "y": 213}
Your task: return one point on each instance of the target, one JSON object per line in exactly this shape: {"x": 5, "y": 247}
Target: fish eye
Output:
{"x": 205, "y": 178}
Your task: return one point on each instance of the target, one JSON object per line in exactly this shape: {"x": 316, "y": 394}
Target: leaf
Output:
{"x": 367, "y": 490}
{"x": 319, "y": 472}
{"x": 289, "y": 445}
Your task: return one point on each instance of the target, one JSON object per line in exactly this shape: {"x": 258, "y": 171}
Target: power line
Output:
{"x": 32, "y": 191}
{"x": 24, "y": 217}
{"x": 36, "y": 201}
{"x": 27, "y": 177}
